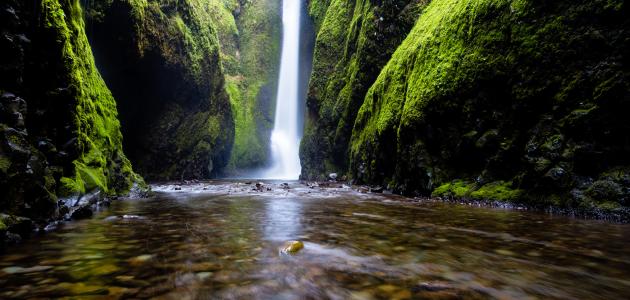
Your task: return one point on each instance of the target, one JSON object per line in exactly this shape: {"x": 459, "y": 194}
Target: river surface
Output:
{"x": 222, "y": 240}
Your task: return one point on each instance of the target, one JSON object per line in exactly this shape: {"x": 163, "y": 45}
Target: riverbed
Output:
{"x": 223, "y": 240}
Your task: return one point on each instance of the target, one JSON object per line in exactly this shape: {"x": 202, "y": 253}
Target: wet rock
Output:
{"x": 377, "y": 189}
{"x": 504, "y": 252}
{"x": 82, "y": 212}
{"x": 81, "y": 289}
{"x": 21, "y": 270}
{"x": 20, "y": 226}
{"x": 605, "y": 190}
{"x": 291, "y": 247}
{"x": 284, "y": 186}
{"x": 140, "y": 259}
{"x": 432, "y": 286}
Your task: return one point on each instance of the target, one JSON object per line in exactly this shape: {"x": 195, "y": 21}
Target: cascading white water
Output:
{"x": 285, "y": 138}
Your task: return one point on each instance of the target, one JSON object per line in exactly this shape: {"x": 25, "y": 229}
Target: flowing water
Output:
{"x": 223, "y": 240}
{"x": 285, "y": 135}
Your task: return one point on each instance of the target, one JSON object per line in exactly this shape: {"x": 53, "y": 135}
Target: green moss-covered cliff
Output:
{"x": 59, "y": 132}
{"x": 489, "y": 99}
{"x": 510, "y": 100}
{"x": 249, "y": 36}
{"x": 355, "y": 39}
{"x": 162, "y": 61}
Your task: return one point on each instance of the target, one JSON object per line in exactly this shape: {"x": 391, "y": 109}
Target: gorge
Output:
{"x": 388, "y": 137}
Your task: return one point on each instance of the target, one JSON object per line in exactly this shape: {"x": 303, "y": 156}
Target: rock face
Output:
{"x": 355, "y": 39}
{"x": 162, "y": 61}
{"x": 59, "y": 132}
{"x": 508, "y": 100}
{"x": 249, "y": 37}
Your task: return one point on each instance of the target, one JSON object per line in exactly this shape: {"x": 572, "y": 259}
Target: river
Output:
{"x": 222, "y": 240}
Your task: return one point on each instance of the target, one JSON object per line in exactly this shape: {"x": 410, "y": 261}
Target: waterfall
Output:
{"x": 285, "y": 137}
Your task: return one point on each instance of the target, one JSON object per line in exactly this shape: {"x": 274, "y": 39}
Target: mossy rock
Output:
{"x": 354, "y": 41}
{"x": 495, "y": 92}
{"x": 162, "y": 61}
{"x": 68, "y": 140}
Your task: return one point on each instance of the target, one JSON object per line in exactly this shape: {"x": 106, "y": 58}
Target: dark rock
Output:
{"x": 17, "y": 225}
{"x": 605, "y": 190}
{"x": 377, "y": 189}
{"x": 82, "y": 212}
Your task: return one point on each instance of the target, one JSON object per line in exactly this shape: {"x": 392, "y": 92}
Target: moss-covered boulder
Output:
{"x": 59, "y": 132}
{"x": 354, "y": 41}
{"x": 161, "y": 60}
{"x": 524, "y": 99}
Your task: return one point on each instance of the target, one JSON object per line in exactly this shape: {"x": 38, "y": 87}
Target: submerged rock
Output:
{"x": 83, "y": 212}
{"x": 291, "y": 247}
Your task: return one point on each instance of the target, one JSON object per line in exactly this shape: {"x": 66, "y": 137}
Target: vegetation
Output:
{"x": 249, "y": 36}
{"x": 354, "y": 41}
{"x": 60, "y": 134}
{"x": 162, "y": 62}
{"x": 496, "y": 92}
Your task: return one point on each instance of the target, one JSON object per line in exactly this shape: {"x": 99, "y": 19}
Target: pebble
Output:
{"x": 141, "y": 259}
{"x": 21, "y": 270}
{"x": 504, "y": 252}
{"x": 292, "y": 247}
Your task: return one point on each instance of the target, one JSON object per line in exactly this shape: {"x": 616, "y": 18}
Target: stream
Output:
{"x": 222, "y": 240}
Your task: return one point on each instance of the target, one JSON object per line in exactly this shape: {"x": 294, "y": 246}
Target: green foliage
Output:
{"x": 499, "y": 190}
{"x": 456, "y": 188}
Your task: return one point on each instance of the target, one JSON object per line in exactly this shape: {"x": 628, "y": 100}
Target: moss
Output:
{"x": 174, "y": 42}
{"x": 5, "y": 163}
{"x": 249, "y": 42}
{"x": 500, "y": 191}
{"x": 527, "y": 74}
{"x": 456, "y": 188}
{"x": 354, "y": 41}
{"x": 97, "y": 127}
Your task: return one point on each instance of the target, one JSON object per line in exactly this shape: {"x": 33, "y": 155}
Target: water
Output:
{"x": 222, "y": 241}
{"x": 285, "y": 135}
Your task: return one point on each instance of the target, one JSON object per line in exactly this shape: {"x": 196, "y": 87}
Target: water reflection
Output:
{"x": 226, "y": 246}
{"x": 283, "y": 219}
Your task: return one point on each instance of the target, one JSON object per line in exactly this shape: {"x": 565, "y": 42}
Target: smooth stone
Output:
{"x": 504, "y": 252}
{"x": 82, "y": 289}
{"x": 388, "y": 288}
{"x": 105, "y": 270}
{"x": 292, "y": 247}
{"x": 403, "y": 294}
{"x": 21, "y": 270}
{"x": 204, "y": 275}
{"x": 138, "y": 260}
